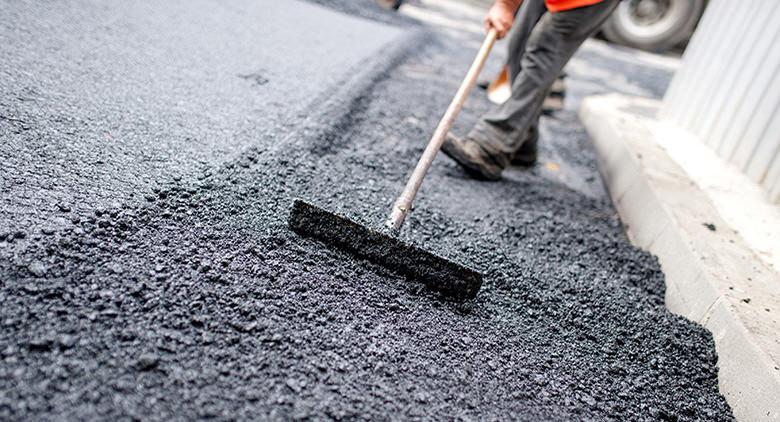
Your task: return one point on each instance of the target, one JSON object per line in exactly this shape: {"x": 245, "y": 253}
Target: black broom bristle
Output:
{"x": 437, "y": 273}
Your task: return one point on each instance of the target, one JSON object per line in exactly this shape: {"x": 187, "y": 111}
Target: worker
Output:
{"x": 546, "y": 34}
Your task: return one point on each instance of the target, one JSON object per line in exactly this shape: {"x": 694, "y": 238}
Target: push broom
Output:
{"x": 383, "y": 247}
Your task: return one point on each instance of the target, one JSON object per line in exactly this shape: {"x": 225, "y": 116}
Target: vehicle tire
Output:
{"x": 653, "y": 25}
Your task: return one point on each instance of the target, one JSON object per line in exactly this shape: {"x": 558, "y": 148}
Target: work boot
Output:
{"x": 559, "y": 86}
{"x": 554, "y": 100}
{"x": 552, "y": 104}
{"x": 527, "y": 154}
{"x": 472, "y": 157}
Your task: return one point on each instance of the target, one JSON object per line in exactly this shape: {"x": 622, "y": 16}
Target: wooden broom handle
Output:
{"x": 403, "y": 205}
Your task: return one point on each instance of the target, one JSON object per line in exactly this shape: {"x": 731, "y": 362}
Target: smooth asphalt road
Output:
{"x": 101, "y": 101}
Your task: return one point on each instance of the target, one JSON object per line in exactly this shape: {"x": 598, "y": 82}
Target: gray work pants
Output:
{"x": 539, "y": 46}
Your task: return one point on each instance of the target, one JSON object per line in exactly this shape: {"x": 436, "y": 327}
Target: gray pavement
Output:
{"x": 200, "y": 302}
{"x": 100, "y": 102}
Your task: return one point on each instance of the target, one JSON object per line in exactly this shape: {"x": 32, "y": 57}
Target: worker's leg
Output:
{"x": 527, "y": 16}
{"x": 496, "y": 137}
{"x": 552, "y": 42}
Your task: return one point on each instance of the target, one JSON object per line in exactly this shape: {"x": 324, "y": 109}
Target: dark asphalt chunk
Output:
{"x": 37, "y": 268}
{"x": 570, "y": 323}
{"x": 147, "y": 362}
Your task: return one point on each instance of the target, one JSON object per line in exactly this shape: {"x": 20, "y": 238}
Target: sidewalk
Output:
{"x": 719, "y": 265}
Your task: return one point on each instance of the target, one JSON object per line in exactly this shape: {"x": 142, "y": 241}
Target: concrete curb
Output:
{"x": 712, "y": 277}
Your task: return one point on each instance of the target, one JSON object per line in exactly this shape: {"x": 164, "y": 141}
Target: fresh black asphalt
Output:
{"x": 194, "y": 300}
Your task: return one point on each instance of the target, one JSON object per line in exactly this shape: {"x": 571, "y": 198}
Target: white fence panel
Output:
{"x": 727, "y": 91}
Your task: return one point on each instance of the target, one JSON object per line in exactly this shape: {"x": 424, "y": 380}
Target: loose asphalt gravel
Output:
{"x": 199, "y": 302}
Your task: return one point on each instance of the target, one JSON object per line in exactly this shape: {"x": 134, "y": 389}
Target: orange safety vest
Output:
{"x": 561, "y": 5}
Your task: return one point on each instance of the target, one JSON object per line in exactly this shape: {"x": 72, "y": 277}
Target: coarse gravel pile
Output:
{"x": 201, "y": 303}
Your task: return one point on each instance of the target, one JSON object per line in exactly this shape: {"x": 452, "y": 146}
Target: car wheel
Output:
{"x": 653, "y": 25}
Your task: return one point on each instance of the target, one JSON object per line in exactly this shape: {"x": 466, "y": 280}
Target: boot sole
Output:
{"x": 472, "y": 169}
{"x": 524, "y": 160}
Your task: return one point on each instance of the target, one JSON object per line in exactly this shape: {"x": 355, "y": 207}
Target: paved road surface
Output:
{"x": 200, "y": 303}
{"x": 100, "y": 101}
